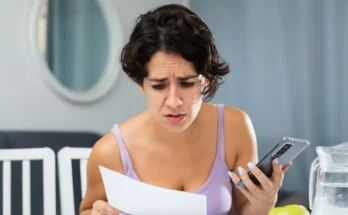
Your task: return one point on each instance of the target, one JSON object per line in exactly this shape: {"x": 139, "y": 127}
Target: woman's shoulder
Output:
{"x": 239, "y": 135}
{"x": 232, "y": 115}
{"x": 105, "y": 153}
{"x": 133, "y": 125}
{"x": 235, "y": 116}
{"x": 110, "y": 139}
{"x": 238, "y": 123}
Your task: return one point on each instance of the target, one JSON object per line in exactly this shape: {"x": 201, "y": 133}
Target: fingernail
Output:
{"x": 276, "y": 161}
{"x": 229, "y": 173}
{"x": 251, "y": 166}
{"x": 240, "y": 170}
{"x": 122, "y": 214}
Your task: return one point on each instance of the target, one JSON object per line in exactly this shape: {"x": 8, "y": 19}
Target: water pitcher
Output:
{"x": 328, "y": 183}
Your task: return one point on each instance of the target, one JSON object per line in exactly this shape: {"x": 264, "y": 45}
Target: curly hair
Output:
{"x": 175, "y": 29}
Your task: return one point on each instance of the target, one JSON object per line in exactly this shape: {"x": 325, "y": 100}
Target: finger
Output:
{"x": 105, "y": 211}
{"x": 287, "y": 166}
{"x": 100, "y": 206}
{"x": 277, "y": 174}
{"x": 265, "y": 182}
{"x": 114, "y": 211}
{"x": 95, "y": 212}
{"x": 109, "y": 211}
{"x": 253, "y": 188}
{"x": 245, "y": 191}
{"x": 104, "y": 208}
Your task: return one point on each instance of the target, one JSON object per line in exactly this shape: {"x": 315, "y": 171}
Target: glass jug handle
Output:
{"x": 313, "y": 177}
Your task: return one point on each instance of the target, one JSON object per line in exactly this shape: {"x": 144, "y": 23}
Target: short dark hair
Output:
{"x": 175, "y": 29}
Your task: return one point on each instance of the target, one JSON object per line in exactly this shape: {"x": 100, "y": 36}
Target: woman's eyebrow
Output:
{"x": 184, "y": 78}
{"x": 188, "y": 77}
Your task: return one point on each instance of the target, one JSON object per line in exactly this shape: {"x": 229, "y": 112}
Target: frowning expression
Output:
{"x": 173, "y": 90}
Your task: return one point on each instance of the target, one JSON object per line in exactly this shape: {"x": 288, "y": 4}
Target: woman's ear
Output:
{"x": 205, "y": 82}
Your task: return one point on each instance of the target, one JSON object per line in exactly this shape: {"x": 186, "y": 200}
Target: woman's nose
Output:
{"x": 173, "y": 100}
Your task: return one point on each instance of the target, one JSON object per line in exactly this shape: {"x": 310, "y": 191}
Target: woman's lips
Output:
{"x": 176, "y": 118}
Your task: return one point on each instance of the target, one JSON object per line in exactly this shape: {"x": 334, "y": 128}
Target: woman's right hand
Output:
{"x": 103, "y": 208}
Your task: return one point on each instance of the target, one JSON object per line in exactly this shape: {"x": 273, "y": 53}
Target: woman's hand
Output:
{"x": 103, "y": 208}
{"x": 261, "y": 198}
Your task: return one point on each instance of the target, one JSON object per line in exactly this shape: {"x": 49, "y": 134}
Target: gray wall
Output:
{"x": 25, "y": 101}
{"x": 289, "y": 71}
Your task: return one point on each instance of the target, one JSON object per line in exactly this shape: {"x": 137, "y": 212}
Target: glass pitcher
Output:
{"x": 328, "y": 183}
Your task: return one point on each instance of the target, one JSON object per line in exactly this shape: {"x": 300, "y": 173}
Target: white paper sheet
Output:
{"x": 137, "y": 198}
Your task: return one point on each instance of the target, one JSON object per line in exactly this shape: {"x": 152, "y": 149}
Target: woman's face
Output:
{"x": 173, "y": 91}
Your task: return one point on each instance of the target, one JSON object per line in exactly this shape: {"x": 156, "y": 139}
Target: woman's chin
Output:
{"x": 177, "y": 127}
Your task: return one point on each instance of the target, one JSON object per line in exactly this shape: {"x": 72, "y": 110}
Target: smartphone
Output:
{"x": 286, "y": 150}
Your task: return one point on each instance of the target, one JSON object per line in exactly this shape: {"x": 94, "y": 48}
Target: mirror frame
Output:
{"x": 112, "y": 68}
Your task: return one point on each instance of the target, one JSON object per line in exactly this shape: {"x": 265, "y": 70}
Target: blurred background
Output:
{"x": 59, "y": 71}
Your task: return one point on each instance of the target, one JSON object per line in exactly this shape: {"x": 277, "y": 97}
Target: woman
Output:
{"x": 182, "y": 141}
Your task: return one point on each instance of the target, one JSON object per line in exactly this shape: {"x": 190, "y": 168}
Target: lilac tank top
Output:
{"x": 217, "y": 188}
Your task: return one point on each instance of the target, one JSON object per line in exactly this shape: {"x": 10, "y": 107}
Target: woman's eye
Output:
{"x": 187, "y": 84}
{"x": 158, "y": 86}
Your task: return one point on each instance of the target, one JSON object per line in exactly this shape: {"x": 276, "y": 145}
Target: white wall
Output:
{"x": 25, "y": 101}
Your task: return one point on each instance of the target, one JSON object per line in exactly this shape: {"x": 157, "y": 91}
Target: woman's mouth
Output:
{"x": 176, "y": 118}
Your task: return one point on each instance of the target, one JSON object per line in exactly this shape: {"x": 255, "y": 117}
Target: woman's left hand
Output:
{"x": 261, "y": 198}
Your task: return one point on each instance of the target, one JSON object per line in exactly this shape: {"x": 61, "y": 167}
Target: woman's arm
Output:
{"x": 253, "y": 199}
{"x": 241, "y": 144}
{"x": 104, "y": 153}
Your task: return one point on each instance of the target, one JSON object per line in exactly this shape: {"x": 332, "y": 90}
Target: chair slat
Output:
{"x": 83, "y": 166}
{"x": 26, "y": 155}
{"x": 49, "y": 181}
{"x": 6, "y": 204}
{"x": 26, "y": 187}
{"x": 65, "y": 157}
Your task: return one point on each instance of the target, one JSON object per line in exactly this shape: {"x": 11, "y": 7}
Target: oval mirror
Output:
{"x": 78, "y": 42}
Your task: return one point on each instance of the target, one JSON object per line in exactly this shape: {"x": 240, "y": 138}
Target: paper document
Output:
{"x": 138, "y": 198}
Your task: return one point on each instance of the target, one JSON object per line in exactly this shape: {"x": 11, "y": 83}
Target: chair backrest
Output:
{"x": 65, "y": 157}
{"x": 49, "y": 178}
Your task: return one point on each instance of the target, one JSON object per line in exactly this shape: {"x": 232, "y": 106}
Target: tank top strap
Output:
{"x": 220, "y": 139}
{"x": 126, "y": 161}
